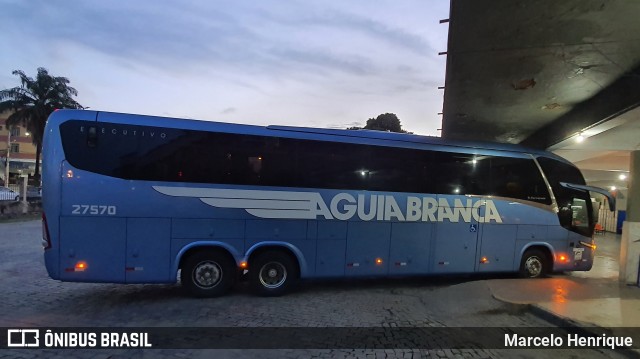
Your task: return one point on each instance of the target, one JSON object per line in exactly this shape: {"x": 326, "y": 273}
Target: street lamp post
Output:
{"x": 6, "y": 164}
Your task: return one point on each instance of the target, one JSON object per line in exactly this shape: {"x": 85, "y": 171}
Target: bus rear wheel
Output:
{"x": 273, "y": 273}
{"x": 208, "y": 274}
{"x": 535, "y": 264}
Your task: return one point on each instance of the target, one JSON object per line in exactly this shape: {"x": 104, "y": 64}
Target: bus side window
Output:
{"x": 458, "y": 173}
{"x": 395, "y": 169}
{"x": 331, "y": 165}
{"x": 518, "y": 178}
{"x": 277, "y": 162}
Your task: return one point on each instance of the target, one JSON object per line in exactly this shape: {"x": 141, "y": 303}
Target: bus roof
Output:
{"x": 290, "y": 131}
{"x": 407, "y": 137}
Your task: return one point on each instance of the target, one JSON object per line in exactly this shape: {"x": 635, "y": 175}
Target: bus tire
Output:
{"x": 207, "y": 274}
{"x": 535, "y": 264}
{"x": 273, "y": 273}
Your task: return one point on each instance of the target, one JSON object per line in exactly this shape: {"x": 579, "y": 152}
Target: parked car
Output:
{"x": 8, "y": 195}
{"x": 34, "y": 192}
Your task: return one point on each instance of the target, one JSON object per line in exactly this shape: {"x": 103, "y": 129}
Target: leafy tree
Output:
{"x": 385, "y": 122}
{"x": 34, "y": 100}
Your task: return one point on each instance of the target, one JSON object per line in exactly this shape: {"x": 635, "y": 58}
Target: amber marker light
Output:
{"x": 378, "y": 261}
{"x": 562, "y": 258}
{"x": 589, "y": 245}
{"x": 484, "y": 260}
{"x": 80, "y": 266}
{"x": 243, "y": 265}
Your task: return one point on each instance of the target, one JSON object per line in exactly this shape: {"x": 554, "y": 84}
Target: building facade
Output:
{"x": 22, "y": 153}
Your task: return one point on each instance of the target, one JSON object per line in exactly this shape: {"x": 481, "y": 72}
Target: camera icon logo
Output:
{"x": 23, "y": 338}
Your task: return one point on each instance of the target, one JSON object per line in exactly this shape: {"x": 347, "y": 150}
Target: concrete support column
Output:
{"x": 630, "y": 246}
{"x": 23, "y": 192}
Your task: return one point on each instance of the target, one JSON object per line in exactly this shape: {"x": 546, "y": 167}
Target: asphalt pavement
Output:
{"x": 593, "y": 299}
{"x": 590, "y": 299}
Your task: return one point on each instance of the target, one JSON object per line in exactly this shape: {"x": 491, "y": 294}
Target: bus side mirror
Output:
{"x": 566, "y": 216}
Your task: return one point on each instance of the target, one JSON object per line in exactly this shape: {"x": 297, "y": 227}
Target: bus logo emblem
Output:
{"x": 342, "y": 206}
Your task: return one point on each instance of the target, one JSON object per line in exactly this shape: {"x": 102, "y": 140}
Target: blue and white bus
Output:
{"x": 139, "y": 199}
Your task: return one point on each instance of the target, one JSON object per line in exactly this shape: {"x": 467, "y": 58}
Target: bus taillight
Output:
{"x": 80, "y": 266}
{"x": 46, "y": 239}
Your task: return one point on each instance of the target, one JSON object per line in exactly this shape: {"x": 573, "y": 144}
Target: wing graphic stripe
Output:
{"x": 256, "y": 204}
{"x": 235, "y": 193}
{"x": 263, "y": 204}
{"x": 282, "y": 214}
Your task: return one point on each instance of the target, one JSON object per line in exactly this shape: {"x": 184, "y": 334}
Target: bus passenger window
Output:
{"x": 255, "y": 163}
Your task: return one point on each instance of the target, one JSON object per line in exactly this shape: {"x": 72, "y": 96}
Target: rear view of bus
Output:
{"x": 53, "y": 165}
{"x": 103, "y": 218}
{"x": 97, "y": 227}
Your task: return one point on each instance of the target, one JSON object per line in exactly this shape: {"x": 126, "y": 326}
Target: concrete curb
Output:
{"x": 583, "y": 329}
{"x": 21, "y": 217}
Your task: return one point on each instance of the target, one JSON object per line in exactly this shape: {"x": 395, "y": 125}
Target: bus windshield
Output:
{"x": 574, "y": 205}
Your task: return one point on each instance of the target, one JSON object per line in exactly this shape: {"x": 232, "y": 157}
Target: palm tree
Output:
{"x": 33, "y": 101}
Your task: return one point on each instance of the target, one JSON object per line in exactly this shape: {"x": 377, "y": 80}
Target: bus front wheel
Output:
{"x": 208, "y": 274}
{"x": 535, "y": 264}
{"x": 273, "y": 273}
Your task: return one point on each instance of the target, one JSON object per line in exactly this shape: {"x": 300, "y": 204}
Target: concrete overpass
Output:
{"x": 544, "y": 73}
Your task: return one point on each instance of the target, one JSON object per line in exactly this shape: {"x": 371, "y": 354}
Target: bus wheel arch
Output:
{"x": 536, "y": 262}
{"x": 273, "y": 270}
{"x": 207, "y": 271}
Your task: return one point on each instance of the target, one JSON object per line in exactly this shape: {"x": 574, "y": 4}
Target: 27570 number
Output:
{"x": 93, "y": 209}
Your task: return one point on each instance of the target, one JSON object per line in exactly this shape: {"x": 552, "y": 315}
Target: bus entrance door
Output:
{"x": 456, "y": 235}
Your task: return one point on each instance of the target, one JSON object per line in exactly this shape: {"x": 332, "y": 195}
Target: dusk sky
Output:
{"x": 301, "y": 63}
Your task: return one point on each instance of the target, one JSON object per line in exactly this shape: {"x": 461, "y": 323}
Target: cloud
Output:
{"x": 343, "y": 126}
{"x": 377, "y": 30}
{"x": 318, "y": 60}
{"x": 164, "y": 33}
{"x": 320, "y": 63}
{"x": 220, "y": 35}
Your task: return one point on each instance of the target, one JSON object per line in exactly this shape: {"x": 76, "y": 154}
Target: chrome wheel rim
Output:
{"x": 272, "y": 275}
{"x": 533, "y": 266}
{"x": 207, "y": 274}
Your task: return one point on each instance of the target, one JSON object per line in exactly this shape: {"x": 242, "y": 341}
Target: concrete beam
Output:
{"x": 621, "y": 96}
